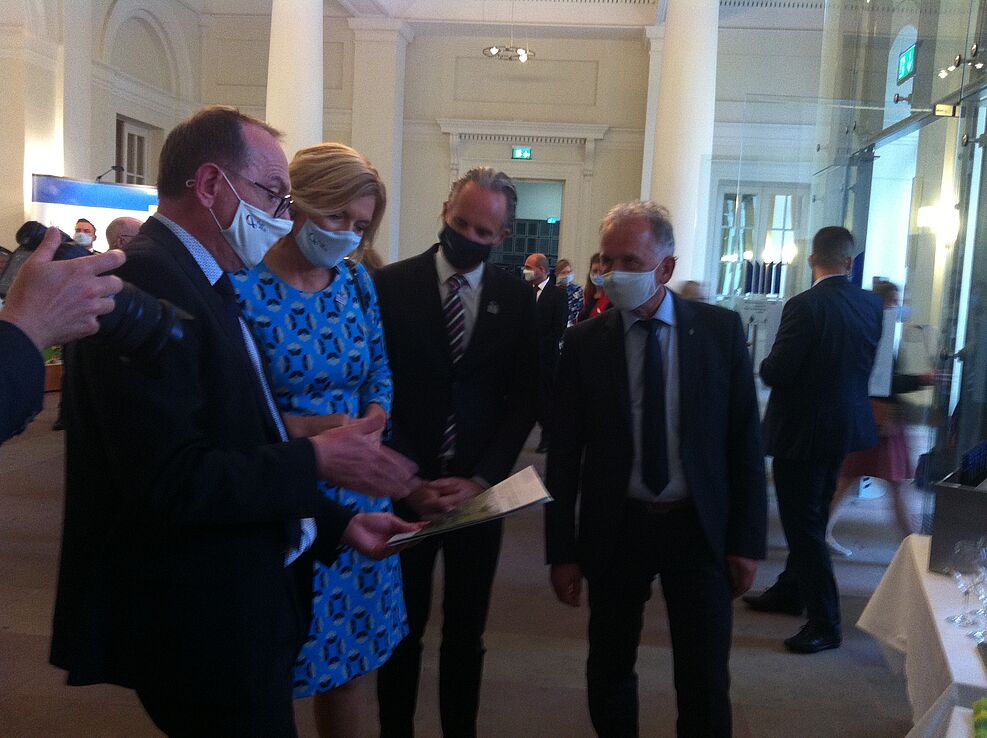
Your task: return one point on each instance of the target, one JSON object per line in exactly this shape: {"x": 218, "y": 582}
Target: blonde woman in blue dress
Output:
{"x": 315, "y": 317}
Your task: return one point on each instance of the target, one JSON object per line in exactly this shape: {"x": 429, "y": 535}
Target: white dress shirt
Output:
{"x": 469, "y": 292}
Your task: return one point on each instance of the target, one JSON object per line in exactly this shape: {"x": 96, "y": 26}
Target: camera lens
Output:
{"x": 140, "y": 325}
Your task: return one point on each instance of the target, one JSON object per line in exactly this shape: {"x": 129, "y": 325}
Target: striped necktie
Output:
{"x": 455, "y": 318}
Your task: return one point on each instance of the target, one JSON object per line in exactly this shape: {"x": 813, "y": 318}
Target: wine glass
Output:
{"x": 964, "y": 568}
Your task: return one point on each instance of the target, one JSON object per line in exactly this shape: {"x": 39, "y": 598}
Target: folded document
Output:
{"x": 517, "y": 492}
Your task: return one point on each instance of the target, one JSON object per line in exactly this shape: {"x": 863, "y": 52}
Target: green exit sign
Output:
{"x": 521, "y": 152}
{"x": 906, "y": 64}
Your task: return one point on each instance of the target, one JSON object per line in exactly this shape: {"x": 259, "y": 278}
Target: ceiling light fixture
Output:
{"x": 509, "y": 52}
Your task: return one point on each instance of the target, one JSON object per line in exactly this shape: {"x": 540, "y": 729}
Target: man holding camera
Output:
{"x": 50, "y": 302}
{"x": 185, "y": 504}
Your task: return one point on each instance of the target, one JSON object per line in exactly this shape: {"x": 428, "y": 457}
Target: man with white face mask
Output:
{"x": 85, "y": 234}
{"x": 184, "y": 500}
{"x": 663, "y": 454}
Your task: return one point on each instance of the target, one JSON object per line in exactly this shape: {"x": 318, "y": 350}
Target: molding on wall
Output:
{"x": 18, "y": 44}
{"x": 520, "y": 130}
{"x": 138, "y": 92}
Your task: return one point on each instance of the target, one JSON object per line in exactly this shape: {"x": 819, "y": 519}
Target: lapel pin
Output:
{"x": 692, "y": 331}
{"x": 493, "y": 308}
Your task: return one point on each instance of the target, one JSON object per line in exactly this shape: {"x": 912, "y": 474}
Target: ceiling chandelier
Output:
{"x": 509, "y": 52}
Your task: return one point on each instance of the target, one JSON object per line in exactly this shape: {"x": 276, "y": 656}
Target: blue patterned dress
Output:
{"x": 325, "y": 354}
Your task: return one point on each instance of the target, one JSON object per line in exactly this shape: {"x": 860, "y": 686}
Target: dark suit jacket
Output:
{"x": 818, "y": 371}
{"x": 491, "y": 389}
{"x": 552, "y": 312}
{"x": 178, "y": 500}
{"x": 592, "y": 448}
{"x": 22, "y": 380}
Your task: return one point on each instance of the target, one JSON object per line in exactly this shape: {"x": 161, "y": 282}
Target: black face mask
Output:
{"x": 461, "y": 252}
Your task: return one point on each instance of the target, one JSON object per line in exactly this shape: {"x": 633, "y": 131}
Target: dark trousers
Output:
{"x": 696, "y": 588}
{"x": 469, "y": 559}
{"x": 269, "y": 715}
{"x": 805, "y": 490}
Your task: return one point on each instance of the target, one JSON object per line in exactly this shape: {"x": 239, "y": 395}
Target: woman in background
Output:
{"x": 596, "y": 300}
{"x": 315, "y": 317}
{"x": 889, "y": 459}
{"x": 565, "y": 279}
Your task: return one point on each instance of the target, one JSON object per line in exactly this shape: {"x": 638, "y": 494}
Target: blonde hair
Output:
{"x": 328, "y": 176}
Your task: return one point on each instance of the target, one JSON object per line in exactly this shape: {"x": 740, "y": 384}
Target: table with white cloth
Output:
{"x": 907, "y": 614}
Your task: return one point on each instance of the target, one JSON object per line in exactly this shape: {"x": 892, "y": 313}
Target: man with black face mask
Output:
{"x": 462, "y": 352}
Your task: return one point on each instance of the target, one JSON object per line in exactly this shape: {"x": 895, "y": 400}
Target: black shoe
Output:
{"x": 770, "y": 601}
{"x": 813, "y": 639}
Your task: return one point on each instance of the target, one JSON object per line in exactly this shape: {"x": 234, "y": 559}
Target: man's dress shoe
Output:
{"x": 813, "y": 639}
{"x": 770, "y": 601}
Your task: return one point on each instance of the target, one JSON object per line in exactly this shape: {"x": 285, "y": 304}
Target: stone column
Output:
{"x": 378, "y": 112}
{"x": 683, "y": 145}
{"x": 656, "y": 44}
{"x": 294, "y": 73}
{"x": 77, "y": 75}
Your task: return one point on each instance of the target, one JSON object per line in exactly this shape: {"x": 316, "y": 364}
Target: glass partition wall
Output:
{"x": 892, "y": 147}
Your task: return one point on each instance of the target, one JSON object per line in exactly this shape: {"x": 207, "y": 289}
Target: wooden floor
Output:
{"x": 533, "y": 684}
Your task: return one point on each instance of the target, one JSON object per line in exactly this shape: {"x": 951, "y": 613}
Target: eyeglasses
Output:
{"x": 283, "y": 201}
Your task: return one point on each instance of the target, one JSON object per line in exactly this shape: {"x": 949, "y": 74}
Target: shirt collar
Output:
{"x": 206, "y": 261}
{"x": 665, "y": 313}
{"x": 446, "y": 270}
{"x": 542, "y": 285}
{"x": 829, "y": 276}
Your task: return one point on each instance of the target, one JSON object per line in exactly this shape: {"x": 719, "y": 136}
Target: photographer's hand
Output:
{"x": 58, "y": 301}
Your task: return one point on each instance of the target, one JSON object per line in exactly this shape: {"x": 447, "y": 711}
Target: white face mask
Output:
{"x": 529, "y": 275}
{"x": 325, "y": 248}
{"x": 630, "y": 290}
{"x": 83, "y": 239}
{"x": 563, "y": 280}
{"x": 252, "y": 232}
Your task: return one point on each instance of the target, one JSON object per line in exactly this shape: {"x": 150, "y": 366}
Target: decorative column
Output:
{"x": 378, "y": 112}
{"x": 295, "y": 88}
{"x": 683, "y": 145}
{"x": 656, "y": 44}
{"x": 76, "y": 94}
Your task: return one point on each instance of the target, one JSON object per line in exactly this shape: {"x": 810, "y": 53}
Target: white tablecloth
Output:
{"x": 907, "y": 614}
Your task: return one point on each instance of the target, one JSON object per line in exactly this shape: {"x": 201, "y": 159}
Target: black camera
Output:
{"x": 139, "y": 325}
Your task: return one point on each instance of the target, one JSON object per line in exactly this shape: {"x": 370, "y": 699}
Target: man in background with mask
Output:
{"x": 85, "y": 234}
{"x": 552, "y": 314}
{"x": 663, "y": 455}
{"x": 185, "y": 502}
{"x": 462, "y": 351}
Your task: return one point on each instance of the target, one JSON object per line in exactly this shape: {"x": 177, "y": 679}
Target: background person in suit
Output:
{"x": 50, "y": 302}
{"x": 818, "y": 370}
{"x": 552, "y": 314}
{"x": 183, "y": 503}
{"x": 460, "y": 338}
{"x": 663, "y": 454}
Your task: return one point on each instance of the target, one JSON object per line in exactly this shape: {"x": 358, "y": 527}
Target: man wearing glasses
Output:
{"x": 120, "y": 231}
{"x": 185, "y": 502}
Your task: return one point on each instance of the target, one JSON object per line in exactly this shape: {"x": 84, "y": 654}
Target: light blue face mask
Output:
{"x": 325, "y": 248}
{"x": 597, "y": 280}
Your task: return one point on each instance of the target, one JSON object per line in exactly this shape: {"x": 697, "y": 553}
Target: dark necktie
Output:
{"x": 455, "y": 317}
{"x": 224, "y": 287}
{"x": 654, "y": 448}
